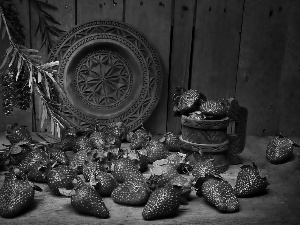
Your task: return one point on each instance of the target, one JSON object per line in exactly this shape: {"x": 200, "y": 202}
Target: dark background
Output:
{"x": 247, "y": 49}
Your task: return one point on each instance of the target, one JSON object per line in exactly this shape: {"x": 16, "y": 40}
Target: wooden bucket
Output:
{"x": 209, "y": 137}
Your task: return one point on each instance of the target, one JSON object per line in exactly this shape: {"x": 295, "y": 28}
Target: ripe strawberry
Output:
{"x": 18, "y": 153}
{"x": 171, "y": 141}
{"x": 189, "y": 101}
{"x": 58, "y": 156}
{"x": 139, "y": 139}
{"x": 104, "y": 183}
{"x": 36, "y": 155}
{"x": 86, "y": 200}
{"x": 204, "y": 168}
{"x": 82, "y": 143}
{"x": 16, "y": 133}
{"x": 123, "y": 169}
{"x": 169, "y": 172}
{"x": 220, "y": 193}
{"x": 60, "y": 177}
{"x": 131, "y": 193}
{"x": 280, "y": 150}
{"x": 16, "y": 194}
{"x": 97, "y": 139}
{"x": 37, "y": 174}
{"x": 156, "y": 151}
{"x": 118, "y": 129}
{"x": 90, "y": 168}
{"x": 249, "y": 182}
{"x": 183, "y": 186}
{"x": 139, "y": 158}
{"x": 78, "y": 160}
{"x": 214, "y": 109}
{"x": 163, "y": 202}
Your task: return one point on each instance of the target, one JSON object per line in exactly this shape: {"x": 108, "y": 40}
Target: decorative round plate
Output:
{"x": 109, "y": 73}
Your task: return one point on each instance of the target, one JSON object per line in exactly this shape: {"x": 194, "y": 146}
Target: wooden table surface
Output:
{"x": 281, "y": 205}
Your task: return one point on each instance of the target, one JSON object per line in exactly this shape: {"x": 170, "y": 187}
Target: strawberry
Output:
{"x": 131, "y": 193}
{"x": 90, "y": 168}
{"x": 104, "y": 183}
{"x": 37, "y": 173}
{"x": 249, "y": 182}
{"x": 82, "y": 143}
{"x": 16, "y": 194}
{"x": 118, "y": 129}
{"x": 280, "y": 150}
{"x": 111, "y": 141}
{"x": 156, "y": 151}
{"x": 124, "y": 168}
{"x": 36, "y": 155}
{"x": 220, "y": 194}
{"x": 139, "y": 138}
{"x": 59, "y": 156}
{"x": 163, "y": 202}
{"x": 16, "y": 133}
{"x": 86, "y": 200}
{"x": 161, "y": 173}
{"x": 139, "y": 158}
{"x": 203, "y": 168}
{"x": 18, "y": 152}
{"x": 171, "y": 141}
{"x": 78, "y": 160}
{"x": 189, "y": 101}
{"x": 60, "y": 177}
{"x": 214, "y": 109}
{"x": 97, "y": 139}
{"x": 183, "y": 186}
{"x": 168, "y": 174}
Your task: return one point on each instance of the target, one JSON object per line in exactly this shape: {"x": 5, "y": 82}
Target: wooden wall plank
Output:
{"x": 216, "y": 47}
{"x": 180, "y": 55}
{"x": 289, "y": 91}
{"x": 260, "y": 64}
{"x": 18, "y": 116}
{"x": 153, "y": 19}
{"x": 91, "y": 10}
{"x": 64, "y": 15}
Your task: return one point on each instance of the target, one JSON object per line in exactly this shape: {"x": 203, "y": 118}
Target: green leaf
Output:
{"x": 49, "y": 65}
{"x": 3, "y": 33}
{"x": 0, "y": 20}
{"x": 8, "y": 51}
{"x": 47, "y": 88}
{"x": 13, "y": 58}
{"x": 39, "y": 77}
{"x": 20, "y": 62}
{"x": 30, "y": 73}
{"x": 44, "y": 115}
{"x": 29, "y": 50}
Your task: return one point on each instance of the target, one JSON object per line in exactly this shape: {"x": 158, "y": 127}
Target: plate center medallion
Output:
{"x": 103, "y": 79}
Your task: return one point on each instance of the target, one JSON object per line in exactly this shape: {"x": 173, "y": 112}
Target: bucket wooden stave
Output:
{"x": 208, "y": 136}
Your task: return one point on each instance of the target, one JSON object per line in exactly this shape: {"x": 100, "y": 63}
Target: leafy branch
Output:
{"x": 46, "y": 22}
{"x": 19, "y": 56}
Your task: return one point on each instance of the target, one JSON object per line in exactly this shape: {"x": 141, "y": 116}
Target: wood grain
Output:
{"x": 216, "y": 47}
{"x": 18, "y": 116}
{"x": 153, "y": 19}
{"x": 91, "y": 10}
{"x": 289, "y": 91}
{"x": 180, "y": 55}
{"x": 65, "y": 15}
{"x": 261, "y": 57}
